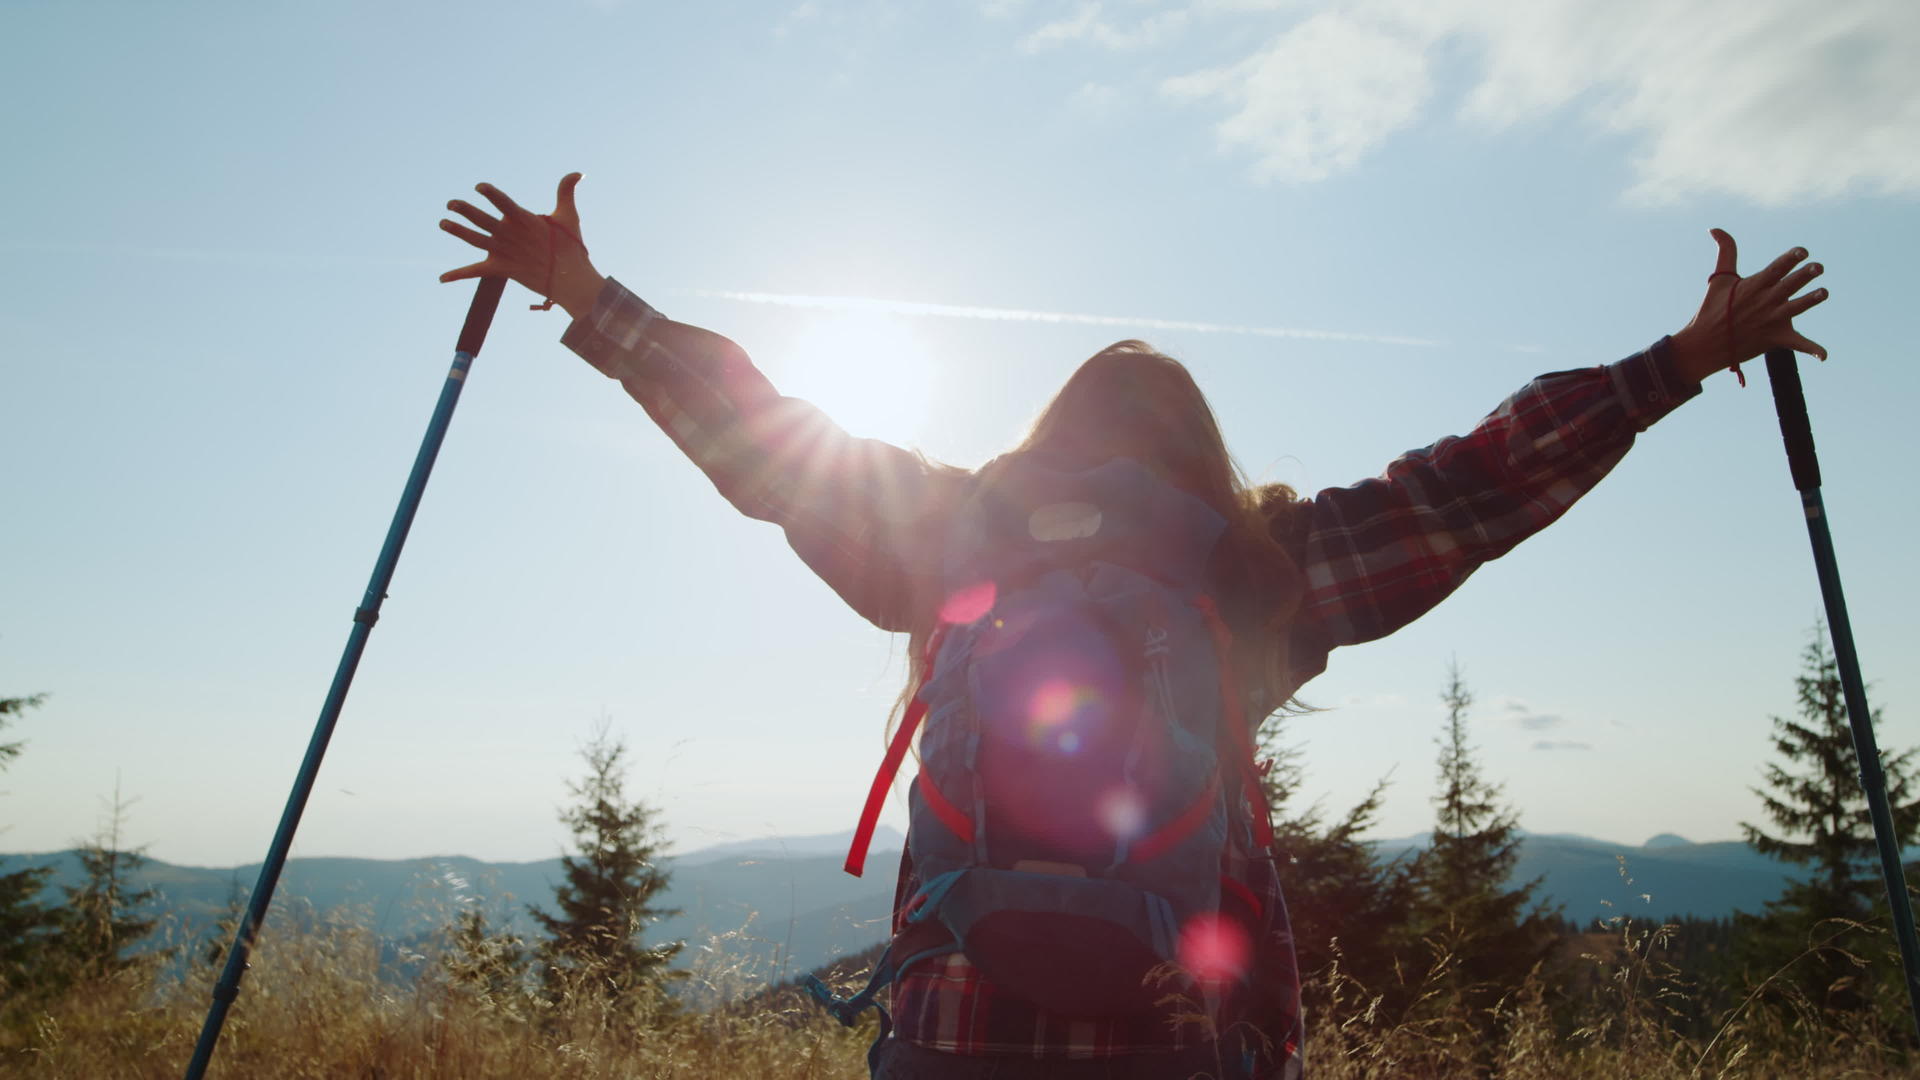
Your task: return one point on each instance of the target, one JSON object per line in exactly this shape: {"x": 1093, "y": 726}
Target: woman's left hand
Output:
{"x": 544, "y": 252}
{"x": 1743, "y": 317}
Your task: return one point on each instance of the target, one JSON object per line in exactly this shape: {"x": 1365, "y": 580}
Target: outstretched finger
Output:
{"x": 475, "y": 214}
{"x": 1729, "y": 258}
{"x": 563, "y": 207}
{"x": 483, "y": 268}
{"x": 508, "y": 208}
{"x": 1802, "y": 303}
{"x": 1798, "y": 280}
{"x": 1778, "y": 268}
{"x": 1800, "y": 343}
{"x": 479, "y": 240}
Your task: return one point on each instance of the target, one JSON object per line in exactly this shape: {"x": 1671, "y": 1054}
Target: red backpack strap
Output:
{"x": 890, "y": 765}
{"x": 1232, "y": 706}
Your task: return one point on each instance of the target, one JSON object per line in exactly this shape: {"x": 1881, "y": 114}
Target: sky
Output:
{"x": 1361, "y": 223}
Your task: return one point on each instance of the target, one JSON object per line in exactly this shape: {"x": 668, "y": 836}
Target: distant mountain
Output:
{"x": 767, "y": 913}
{"x": 762, "y": 910}
{"x": 778, "y": 909}
{"x": 1668, "y": 876}
{"x": 885, "y": 838}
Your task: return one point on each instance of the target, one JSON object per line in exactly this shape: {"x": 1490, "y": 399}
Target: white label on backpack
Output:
{"x": 1157, "y": 642}
{"x": 1064, "y": 521}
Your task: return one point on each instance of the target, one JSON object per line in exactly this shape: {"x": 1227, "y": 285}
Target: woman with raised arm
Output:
{"x": 1099, "y": 619}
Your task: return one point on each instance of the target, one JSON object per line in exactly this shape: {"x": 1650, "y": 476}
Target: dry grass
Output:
{"x": 318, "y": 1005}
{"x": 1612, "y": 1011}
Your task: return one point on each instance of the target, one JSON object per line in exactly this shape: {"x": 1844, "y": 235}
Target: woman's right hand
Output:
{"x": 1743, "y": 317}
{"x": 544, "y": 252}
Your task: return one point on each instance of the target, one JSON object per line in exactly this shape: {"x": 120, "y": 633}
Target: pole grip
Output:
{"x": 1790, "y": 403}
{"x": 480, "y": 315}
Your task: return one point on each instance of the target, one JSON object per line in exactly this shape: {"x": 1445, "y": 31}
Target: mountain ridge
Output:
{"x": 776, "y": 905}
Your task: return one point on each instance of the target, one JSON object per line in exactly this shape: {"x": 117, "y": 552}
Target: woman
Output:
{"x": 1294, "y": 578}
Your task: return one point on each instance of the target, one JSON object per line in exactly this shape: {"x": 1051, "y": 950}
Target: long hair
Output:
{"x": 1131, "y": 400}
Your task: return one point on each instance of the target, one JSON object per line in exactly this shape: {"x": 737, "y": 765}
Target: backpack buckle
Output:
{"x": 845, "y": 1010}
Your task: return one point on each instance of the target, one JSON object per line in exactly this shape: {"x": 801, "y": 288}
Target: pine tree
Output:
{"x": 1814, "y": 798}
{"x": 1495, "y": 934}
{"x": 27, "y": 927}
{"x": 12, "y": 707}
{"x": 213, "y": 951}
{"x": 103, "y": 916}
{"x": 607, "y": 898}
{"x": 1341, "y": 901}
{"x": 489, "y": 965}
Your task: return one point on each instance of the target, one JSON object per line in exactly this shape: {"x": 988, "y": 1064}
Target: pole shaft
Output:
{"x": 1790, "y": 403}
{"x": 472, "y": 334}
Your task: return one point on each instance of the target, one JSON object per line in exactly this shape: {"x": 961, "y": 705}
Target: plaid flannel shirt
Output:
{"x": 870, "y": 519}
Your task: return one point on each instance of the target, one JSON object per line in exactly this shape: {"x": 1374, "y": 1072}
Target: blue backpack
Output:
{"x": 1086, "y": 769}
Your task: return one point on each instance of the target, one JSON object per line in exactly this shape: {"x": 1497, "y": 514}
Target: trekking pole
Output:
{"x": 479, "y": 317}
{"x": 1791, "y": 405}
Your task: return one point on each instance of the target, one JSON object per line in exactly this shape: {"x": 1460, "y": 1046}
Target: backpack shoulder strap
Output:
{"x": 1233, "y": 715}
{"x": 890, "y": 765}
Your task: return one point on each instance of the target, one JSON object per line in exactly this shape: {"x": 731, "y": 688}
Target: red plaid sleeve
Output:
{"x": 1383, "y": 552}
{"x": 864, "y": 515}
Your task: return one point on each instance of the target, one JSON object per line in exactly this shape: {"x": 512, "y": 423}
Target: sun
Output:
{"x": 870, "y": 371}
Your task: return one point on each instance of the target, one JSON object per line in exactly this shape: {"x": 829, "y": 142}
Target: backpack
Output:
{"x": 1086, "y": 769}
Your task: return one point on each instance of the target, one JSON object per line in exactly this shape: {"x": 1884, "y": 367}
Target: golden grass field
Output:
{"x": 316, "y": 1005}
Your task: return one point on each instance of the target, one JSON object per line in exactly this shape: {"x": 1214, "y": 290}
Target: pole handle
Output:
{"x": 1790, "y": 403}
{"x": 473, "y": 333}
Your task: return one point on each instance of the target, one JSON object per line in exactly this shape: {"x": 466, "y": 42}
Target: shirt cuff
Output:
{"x": 611, "y": 335}
{"x": 1648, "y": 384}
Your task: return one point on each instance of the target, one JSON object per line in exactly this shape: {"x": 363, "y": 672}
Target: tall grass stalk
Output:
{"x": 328, "y": 1001}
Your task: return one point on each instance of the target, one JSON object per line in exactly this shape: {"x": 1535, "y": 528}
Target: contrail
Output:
{"x": 962, "y": 311}
{"x": 794, "y": 300}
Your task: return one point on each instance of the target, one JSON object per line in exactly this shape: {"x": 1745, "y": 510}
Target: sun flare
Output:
{"x": 870, "y": 371}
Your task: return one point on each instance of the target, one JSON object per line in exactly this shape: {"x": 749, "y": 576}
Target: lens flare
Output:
{"x": 1213, "y": 947}
{"x": 1054, "y": 702}
{"x": 1056, "y": 706}
{"x": 1053, "y": 710}
{"x": 968, "y": 604}
{"x": 1122, "y": 813}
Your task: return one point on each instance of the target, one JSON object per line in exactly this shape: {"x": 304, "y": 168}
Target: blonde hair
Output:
{"x": 1131, "y": 400}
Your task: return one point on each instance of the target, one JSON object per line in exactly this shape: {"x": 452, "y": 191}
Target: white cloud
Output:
{"x": 1561, "y": 744}
{"x": 1527, "y": 717}
{"x": 1211, "y": 6}
{"x": 1771, "y": 100}
{"x": 1373, "y": 701}
{"x": 1002, "y": 9}
{"x": 1318, "y": 97}
{"x": 1774, "y": 101}
{"x": 1089, "y": 24}
{"x": 1100, "y": 101}
{"x": 804, "y": 12}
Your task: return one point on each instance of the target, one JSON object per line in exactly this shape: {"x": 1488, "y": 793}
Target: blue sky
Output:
{"x": 221, "y": 337}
